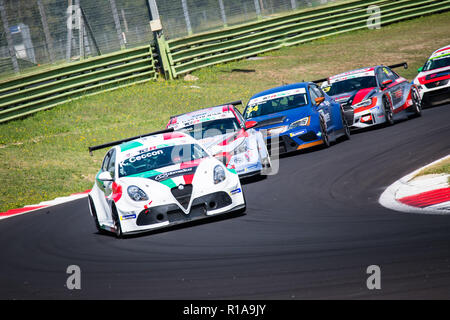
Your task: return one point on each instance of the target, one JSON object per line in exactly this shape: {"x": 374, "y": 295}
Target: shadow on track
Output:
{"x": 187, "y": 224}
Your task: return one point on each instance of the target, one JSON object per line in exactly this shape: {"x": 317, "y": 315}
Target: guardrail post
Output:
{"x": 117, "y": 23}
{"x": 186, "y": 17}
{"x": 161, "y": 45}
{"x": 48, "y": 38}
{"x": 222, "y": 13}
{"x": 258, "y": 9}
{"x": 9, "y": 40}
{"x": 294, "y": 4}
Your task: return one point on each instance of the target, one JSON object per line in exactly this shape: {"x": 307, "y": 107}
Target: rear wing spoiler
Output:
{"x": 115, "y": 143}
{"x": 234, "y": 103}
{"x": 320, "y": 80}
{"x": 393, "y": 66}
{"x": 398, "y": 65}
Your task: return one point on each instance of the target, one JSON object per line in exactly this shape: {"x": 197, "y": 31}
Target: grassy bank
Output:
{"x": 45, "y": 156}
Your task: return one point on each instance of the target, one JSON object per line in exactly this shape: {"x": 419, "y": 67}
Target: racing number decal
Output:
{"x": 252, "y": 109}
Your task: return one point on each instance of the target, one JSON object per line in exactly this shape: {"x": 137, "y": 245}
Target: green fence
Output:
{"x": 35, "y": 92}
{"x": 201, "y": 50}
{"x": 31, "y": 93}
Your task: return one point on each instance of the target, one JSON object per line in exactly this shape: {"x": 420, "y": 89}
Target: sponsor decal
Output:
{"x": 128, "y": 216}
{"x": 142, "y": 156}
{"x": 235, "y": 191}
{"x": 297, "y": 133}
{"x": 369, "y": 72}
{"x": 276, "y": 95}
{"x": 172, "y": 174}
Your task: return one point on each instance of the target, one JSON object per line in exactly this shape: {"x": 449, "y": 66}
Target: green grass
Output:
{"x": 46, "y": 156}
{"x": 442, "y": 167}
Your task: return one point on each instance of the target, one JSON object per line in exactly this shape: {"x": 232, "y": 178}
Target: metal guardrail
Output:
{"x": 28, "y": 94}
{"x": 201, "y": 50}
{"x": 40, "y": 91}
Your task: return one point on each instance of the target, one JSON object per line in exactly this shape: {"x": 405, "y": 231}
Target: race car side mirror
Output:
{"x": 386, "y": 83}
{"x": 250, "y": 124}
{"x": 420, "y": 69}
{"x": 105, "y": 176}
{"x": 319, "y": 100}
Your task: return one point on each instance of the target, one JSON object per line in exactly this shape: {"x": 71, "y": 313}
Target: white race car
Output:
{"x": 158, "y": 180}
{"x": 433, "y": 79}
{"x": 225, "y": 134}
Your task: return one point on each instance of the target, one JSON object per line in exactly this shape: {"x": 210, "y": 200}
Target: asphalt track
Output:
{"x": 309, "y": 232}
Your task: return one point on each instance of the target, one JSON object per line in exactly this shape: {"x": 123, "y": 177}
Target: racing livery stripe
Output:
{"x": 308, "y": 145}
{"x": 130, "y": 145}
{"x": 116, "y": 191}
{"x": 172, "y": 135}
{"x": 361, "y": 94}
{"x": 422, "y": 80}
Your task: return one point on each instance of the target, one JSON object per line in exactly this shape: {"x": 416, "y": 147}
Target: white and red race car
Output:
{"x": 433, "y": 79}
{"x": 158, "y": 180}
{"x": 223, "y": 131}
{"x": 374, "y": 95}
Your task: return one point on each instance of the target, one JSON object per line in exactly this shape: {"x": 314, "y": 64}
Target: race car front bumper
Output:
{"x": 368, "y": 118}
{"x": 436, "y": 95}
{"x": 293, "y": 141}
{"x": 161, "y": 216}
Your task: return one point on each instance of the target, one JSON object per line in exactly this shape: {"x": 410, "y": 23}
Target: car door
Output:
{"x": 111, "y": 169}
{"x": 105, "y": 187}
{"x": 324, "y": 108}
{"x": 395, "y": 88}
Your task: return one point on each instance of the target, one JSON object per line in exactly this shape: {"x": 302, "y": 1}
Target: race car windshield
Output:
{"x": 275, "y": 105}
{"x": 159, "y": 158}
{"x": 437, "y": 63}
{"x": 212, "y": 128}
{"x": 350, "y": 85}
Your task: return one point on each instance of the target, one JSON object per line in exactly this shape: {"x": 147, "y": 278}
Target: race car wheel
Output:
{"x": 389, "y": 115}
{"x": 345, "y": 126}
{"x": 94, "y": 214}
{"x": 416, "y": 107}
{"x": 324, "y": 133}
{"x": 116, "y": 221}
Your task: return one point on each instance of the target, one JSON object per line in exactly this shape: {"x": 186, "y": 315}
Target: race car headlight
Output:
{"x": 241, "y": 148}
{"x": 300, "y": 123}
{"x": 366, "y": 103}
{"x": 219, "y": 174}
{"x": 137, "y": 194}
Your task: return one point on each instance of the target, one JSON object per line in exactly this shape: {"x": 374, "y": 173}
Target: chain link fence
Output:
{"x": 35, "y": 33}
{"x": 185, "y": 17}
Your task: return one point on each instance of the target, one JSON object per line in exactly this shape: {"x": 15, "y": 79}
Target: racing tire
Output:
{"x": 116, "y": 221}
{"x": 416, "y": 108}
{"x": 324, "y": 134}
{"x": 388, "y": 113}
{"x": 94, "y": 215}
{"x": 345, "y": 126}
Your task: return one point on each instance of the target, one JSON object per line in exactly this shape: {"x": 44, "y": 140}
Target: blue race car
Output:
{"x": 301, "y": 115}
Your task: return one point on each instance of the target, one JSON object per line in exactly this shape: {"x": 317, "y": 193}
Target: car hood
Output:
{"x": 171, "y": 176}
{"x": 224, "y": 142}
{"x": 279, "y": 119}
{"x": 354, "y": 97}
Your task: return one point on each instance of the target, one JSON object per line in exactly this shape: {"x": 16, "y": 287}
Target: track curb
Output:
{"x": 429, "y": 194}
{"x": 43, "y": 205}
